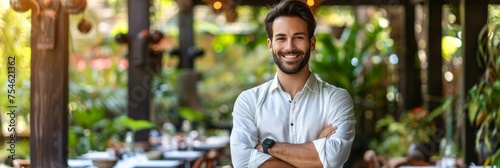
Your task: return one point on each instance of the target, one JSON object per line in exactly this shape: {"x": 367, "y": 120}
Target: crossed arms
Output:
{"x": 331, "y": 148}
{"x": 295, "y": 155}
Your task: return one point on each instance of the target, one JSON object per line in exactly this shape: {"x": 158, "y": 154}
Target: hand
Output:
{"x": 259, "y": 147}
{"x": 328, "y": 131}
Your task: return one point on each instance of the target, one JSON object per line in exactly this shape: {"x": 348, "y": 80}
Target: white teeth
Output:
{"x": 290, "y": 56}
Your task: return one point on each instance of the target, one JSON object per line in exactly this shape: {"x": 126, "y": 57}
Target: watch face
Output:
{"x": 268, "y": 142}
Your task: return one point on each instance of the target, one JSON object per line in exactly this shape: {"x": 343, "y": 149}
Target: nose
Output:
{"x": 289, "y": 44}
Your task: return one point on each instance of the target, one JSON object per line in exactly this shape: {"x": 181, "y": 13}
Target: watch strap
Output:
{"x": 267, "y": 143}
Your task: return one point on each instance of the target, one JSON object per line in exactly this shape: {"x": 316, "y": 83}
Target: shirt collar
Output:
{"x": 311, "y": 83}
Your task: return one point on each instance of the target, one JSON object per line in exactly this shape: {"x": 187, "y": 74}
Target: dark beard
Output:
{"x": 295, "y": 70}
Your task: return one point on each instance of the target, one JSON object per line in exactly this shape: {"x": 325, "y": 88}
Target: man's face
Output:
{"x": 290, "y": 45}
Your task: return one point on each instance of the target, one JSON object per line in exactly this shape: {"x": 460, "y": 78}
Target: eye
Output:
{"x": 280, "y": 38}
{"x": 300, "y": 37}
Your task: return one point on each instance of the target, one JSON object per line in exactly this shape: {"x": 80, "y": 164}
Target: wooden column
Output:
{"x": 49, "y": 90}
{"x": 409, "y": 70}
{"x": 434, "y": 88}
{"x": 186, "y": 35}
{"x": 140, "y": 74}
{"x": 473, "y": 15}
{"x": 187, "y": 52}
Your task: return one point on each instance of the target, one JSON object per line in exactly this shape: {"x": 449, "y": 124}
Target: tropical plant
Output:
{"x": 414, "y": 126}
{"x": 97, "y": 93}
{"x": 14, "y": 43}
{"x": 235, "y": 60}
{"x": 482, "y": 101}
{"x": 92, "y": 130}
{"x": 359, "y": 62}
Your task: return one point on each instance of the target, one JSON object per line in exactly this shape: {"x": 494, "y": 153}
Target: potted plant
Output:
{"x": 415, "y": 126}
{"x": 482, "y": 99}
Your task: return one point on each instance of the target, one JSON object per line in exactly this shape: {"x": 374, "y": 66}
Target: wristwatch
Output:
{"x": 266, "y": 144}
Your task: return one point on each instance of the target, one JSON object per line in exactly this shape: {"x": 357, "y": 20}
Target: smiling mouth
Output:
{"x": 290, "y": 56}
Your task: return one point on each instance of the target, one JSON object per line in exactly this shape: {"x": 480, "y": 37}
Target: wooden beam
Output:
{"x": 140, "y": 74}
{"x": 327, "y": 2}
{"x": 473, "y": 15}
{"x": 349, "y": 2}
{"x": 49, "y": 92}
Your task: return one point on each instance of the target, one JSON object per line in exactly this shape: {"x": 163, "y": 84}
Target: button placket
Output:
{"x": 292, "y": 120}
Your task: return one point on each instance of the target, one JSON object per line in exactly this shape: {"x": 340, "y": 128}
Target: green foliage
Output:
{"x": 89, "y": 130}
{"x": 97, "y": 93}
{"x": 358, "y": 62}
{"x": 92, "y": 129}
{"x": 233, "y": 62}
{"x": 22, "y": 150}
{"x": 348, "y": 63}
{"x": 14, "y": 42}
{"x": 133, "y": 125}
{"x": 415, "y": 125}
{"x": 165, "y": 95}
{"x": 482, "y": 101}
{"x": 191, "y": 114}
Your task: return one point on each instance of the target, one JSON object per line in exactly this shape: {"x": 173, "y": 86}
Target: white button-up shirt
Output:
{"x": 266, "y": 111}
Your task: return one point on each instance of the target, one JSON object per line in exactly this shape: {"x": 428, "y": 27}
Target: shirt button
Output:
{"x": 291, "y": 124}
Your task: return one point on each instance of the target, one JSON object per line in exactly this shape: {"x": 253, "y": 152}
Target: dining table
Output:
{"x": 135, "y": 160}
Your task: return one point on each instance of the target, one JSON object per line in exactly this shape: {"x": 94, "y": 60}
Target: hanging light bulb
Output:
{"x": 313, "y": 4}
{"x": 310, "y": 3}
{"x": 218, "y": 6}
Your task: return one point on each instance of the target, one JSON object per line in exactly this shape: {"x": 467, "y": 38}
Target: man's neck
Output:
{"x": 293, "y": 83}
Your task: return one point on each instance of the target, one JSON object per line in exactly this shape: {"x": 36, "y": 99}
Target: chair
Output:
{"x": 209, "y": 160}
{"x": 372, "y": 160}
{"x": 21, "y": 163}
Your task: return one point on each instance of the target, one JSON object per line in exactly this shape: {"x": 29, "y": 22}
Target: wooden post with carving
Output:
{"x": 49, "y": 86}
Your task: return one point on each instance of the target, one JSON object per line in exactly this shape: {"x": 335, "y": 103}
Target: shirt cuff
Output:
{"x": 319, "y": 144}
{"x": 257, "y": 158}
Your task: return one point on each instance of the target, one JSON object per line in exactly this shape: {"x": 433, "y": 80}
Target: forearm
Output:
{"x": 274, "y": 162}
{"x": 298, "y": 155}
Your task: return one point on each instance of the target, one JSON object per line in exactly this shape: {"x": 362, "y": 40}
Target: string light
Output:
{"x": 310, "y": 3}
{"x": 226, "y": 6}
{"x": 217, "y": 5}
{"x": 313, "y": 4}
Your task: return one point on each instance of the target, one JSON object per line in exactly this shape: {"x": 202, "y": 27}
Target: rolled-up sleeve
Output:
{"x": 335, "y": 150}
{"x": 244, "y": 134}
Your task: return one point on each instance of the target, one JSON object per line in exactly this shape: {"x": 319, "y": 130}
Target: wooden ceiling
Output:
{"x": 349, "y": 2}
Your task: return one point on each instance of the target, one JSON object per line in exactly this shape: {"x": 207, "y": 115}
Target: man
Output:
{"x": 294, "y": 120}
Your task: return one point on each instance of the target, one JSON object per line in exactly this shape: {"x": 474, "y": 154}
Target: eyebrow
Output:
{"x": 295, "y": 34}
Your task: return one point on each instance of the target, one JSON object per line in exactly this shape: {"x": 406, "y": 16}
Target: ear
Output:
{"x": 313, "y": 43}
{"x": 270, "y": 45}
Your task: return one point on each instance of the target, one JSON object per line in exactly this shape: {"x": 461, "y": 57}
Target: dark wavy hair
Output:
{"x": 290, "y": 8}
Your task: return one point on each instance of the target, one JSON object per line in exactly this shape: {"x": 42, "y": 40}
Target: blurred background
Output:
{"x": 358, "y": 48}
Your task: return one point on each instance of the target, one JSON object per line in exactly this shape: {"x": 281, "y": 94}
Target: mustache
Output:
{"x": 293, "y": 52}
